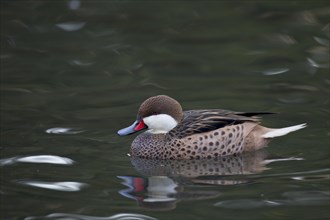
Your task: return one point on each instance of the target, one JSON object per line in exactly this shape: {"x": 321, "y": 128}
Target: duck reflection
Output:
{"x": 168, "y": 181}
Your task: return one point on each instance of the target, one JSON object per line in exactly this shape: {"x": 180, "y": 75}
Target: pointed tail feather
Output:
{"x": 283, "y": 131}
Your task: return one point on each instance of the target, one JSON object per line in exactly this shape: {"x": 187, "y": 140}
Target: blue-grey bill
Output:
{"x": 128, "y": 130}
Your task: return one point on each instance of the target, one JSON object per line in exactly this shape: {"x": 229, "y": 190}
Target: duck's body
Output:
{"x": 201, "y": 134}
{"x": 174, "y": 134}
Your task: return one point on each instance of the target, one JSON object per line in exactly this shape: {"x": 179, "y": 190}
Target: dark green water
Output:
{"x": 74, "y": 72}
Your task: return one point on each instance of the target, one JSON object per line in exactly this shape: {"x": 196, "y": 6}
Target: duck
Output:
{"x": 172, "y": 134}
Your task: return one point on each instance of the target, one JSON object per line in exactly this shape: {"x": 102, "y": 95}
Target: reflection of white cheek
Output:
{"x": 162, "y": 123}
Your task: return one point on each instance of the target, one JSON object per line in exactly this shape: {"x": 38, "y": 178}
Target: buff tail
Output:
{"x": 283, "y": 131}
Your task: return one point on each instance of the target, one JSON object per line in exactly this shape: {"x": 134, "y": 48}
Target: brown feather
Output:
{"x": 199, "y": 121}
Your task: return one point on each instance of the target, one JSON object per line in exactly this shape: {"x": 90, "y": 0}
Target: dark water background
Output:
{"x": 74, "y": 72}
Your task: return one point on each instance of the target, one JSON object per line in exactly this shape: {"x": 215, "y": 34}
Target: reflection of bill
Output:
{"x": 168, "y": 181}
{"x": 156, "y": 192}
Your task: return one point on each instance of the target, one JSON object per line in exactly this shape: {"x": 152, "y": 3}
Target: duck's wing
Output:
{"x": 199, "y": 121}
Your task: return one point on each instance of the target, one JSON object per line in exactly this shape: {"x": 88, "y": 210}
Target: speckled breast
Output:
{"x": 148, "y": 145}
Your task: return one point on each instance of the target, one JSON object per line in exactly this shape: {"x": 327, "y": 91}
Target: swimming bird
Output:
{"x": 176, "y": 134}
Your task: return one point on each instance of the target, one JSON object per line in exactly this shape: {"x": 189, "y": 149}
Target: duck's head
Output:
{"x": 158, "y": 114}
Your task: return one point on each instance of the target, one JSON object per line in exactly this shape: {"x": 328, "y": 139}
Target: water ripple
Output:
{"x": 71, "y": 26}
{"x": 282, "y": 159}
{"x": 245, "y": 203}
{"x": 290, "y": 198}
{"x": 293, "y": 174}
{"x": 275, "y": 71}
{"x": 51, "y": 159}
{"x": 314, "y": 64}
{"x": 322, "y": 41}
{"x": 60, "y": 130}
{"x": 74, "y": 4}
{"x": 81, "y": 63}
{"x": 65, "y": 216}
{"x": 59, "y": 186}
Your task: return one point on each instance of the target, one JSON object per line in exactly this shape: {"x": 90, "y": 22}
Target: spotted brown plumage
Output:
{"x": 177, "y": 134}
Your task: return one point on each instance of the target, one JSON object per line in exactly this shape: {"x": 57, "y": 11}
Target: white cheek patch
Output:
{"x": 161, "y": 123}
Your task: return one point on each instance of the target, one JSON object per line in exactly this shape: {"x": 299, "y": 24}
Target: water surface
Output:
{"x": 74, "y": 72}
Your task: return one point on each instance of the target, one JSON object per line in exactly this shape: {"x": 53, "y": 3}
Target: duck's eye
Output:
{"x": 154, "y": 113}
